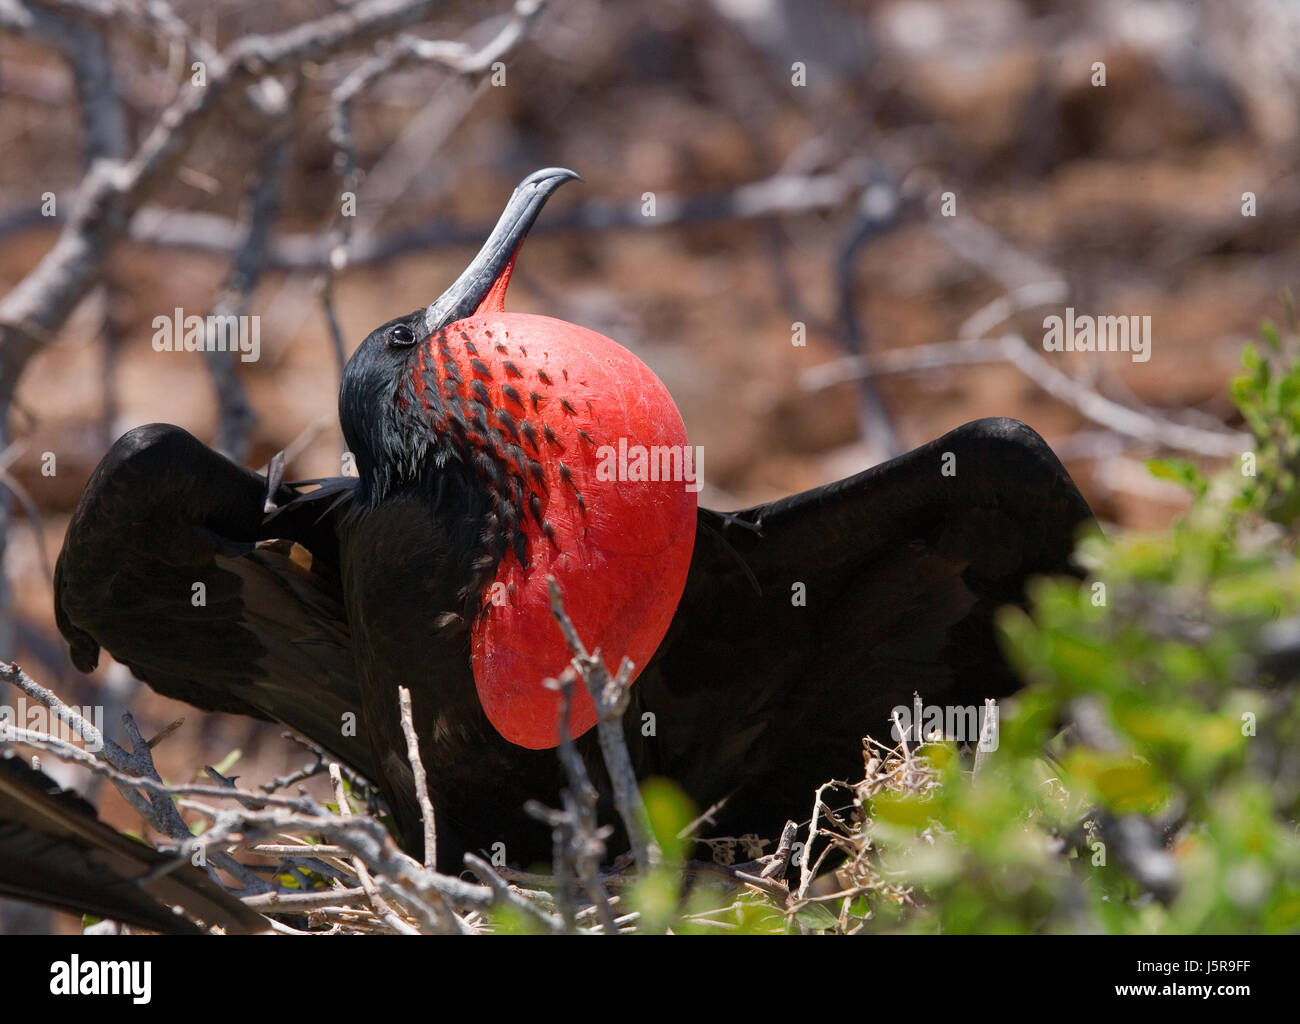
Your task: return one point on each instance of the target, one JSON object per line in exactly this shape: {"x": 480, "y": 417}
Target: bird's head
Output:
{"x": 576, "y": 449}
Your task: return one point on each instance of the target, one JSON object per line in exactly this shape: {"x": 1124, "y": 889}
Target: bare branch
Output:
{"x": 779, "y": 195}
{"x": 421, "y": 780}
{"x": 878, "y": 213}
{"x": 367, "y": 883}
{"x": 262, "y": 204}
{"x": 1014, "y": 349}
{"x": 85, "y": 49}
{"x": 455, "y": 56}
{"x": 610, "y": 696}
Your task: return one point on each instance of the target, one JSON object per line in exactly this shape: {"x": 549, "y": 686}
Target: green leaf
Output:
{"x": 816, "y": 916}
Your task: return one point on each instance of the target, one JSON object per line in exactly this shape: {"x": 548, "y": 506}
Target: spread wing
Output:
{"x": 169, "y": 563}
{"x": 806, "y": 620}
{"x": 54, "y": 850}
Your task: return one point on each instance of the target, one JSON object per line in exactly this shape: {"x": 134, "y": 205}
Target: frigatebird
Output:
{"x": 769, "y": 641}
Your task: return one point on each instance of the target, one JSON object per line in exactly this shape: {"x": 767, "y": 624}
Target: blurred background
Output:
{"x": 796, "y": 153}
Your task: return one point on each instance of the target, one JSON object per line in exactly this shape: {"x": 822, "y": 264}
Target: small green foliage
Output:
{"x": 1268, "y": 395}
{"x": 670, "y": 814}
{"x": 229, "y": 761}
{"x": 1179, "y": 471}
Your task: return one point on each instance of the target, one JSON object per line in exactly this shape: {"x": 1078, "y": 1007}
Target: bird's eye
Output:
{"x": 401, "y": 335}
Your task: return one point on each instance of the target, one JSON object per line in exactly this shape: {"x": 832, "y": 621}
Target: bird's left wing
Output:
{"x": 54, "y": 850}
{"x": 174, "y": 565}
{"x": 806, "y": 620}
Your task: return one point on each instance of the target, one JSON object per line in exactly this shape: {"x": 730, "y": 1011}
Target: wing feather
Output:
{"x": 169, "y": 564}
{"x": 54, "y": 850}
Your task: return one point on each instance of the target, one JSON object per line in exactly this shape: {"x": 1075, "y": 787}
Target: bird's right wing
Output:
{"x": 54, "y": 850}
{"x": 172, "y": 564}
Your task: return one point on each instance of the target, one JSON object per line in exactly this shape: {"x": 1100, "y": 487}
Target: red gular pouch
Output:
{"x": 592, "y": 476}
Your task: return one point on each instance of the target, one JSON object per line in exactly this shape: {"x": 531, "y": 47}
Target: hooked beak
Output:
{"x": 464, "y": 297}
